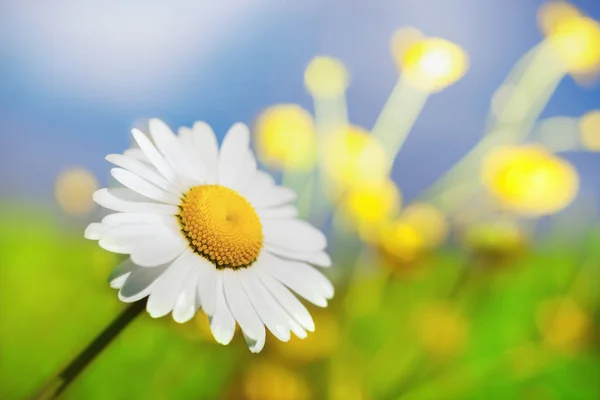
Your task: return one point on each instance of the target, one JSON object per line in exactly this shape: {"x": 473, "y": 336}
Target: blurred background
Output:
{"x": 447, "y": 147}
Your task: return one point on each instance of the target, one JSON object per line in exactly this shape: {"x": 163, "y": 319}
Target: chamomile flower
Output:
{"x": 204, "y": 228}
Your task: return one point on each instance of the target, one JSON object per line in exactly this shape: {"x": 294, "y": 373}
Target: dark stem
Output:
{"x": 75, "y": 367}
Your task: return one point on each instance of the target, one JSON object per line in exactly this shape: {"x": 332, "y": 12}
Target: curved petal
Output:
{"x": 154, "y": 155}
{"x": 122, "y": 199}
{"x": 138, "y": 154}
{"x": 119, "y": 219}
{"x": 240, "y": 306}
{"x": 174, "y": 153}
{"x": 186, "y": 306}
{"x": 222, "y": 324}
{"x": 207, "y": 288}
{"x": 166, "y": 290}
{"x": 205, "y": 145}
{"x": 287, "y": 300}
{"x": 141, "y": 169}
{"x": 150, "y": 253}
{"x": 255, "y": 346}
{"x": 284, "y": 212}
{"x": 245, "y": 173}
{"x": 233, "y": 150}
{"x": 261, "y": 182}
{"x": 186, "y": 139}
{"x": 319, "y": 258}
{"x": 275, "y": 196}
{"x": 142, "y": 186}
{"x": 139, "y": 283}
{"x": 287, "y": 272}
{"x": 94, "y": 231}
{"x": 121, "y": 272}
{"x": 267, "y": 308}
{"x": 293, "y": 235}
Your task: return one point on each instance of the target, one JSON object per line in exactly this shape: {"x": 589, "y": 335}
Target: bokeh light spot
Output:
{"x": 326, "y": 77}
{"x": 589, "y": 129}
{"x": 73, "y": 190}
{"x": 286, "y": 137}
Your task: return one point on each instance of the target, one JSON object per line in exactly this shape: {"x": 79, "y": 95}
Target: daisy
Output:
{"x": 204, "y": 228}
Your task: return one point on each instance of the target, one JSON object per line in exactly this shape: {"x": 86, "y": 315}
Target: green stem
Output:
{"x": 57, "y": 385}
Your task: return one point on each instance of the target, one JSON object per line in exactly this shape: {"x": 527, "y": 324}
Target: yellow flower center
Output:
{"x": 221, "y": 226}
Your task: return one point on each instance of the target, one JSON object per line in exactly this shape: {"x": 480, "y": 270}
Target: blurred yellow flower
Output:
{"x": 433, "y": 63}
{"x": 369, "y": 205}
{"x": 442, "y": 330}
{"x": 552, "y": 13}
{"x": 575, "y": 37}
{"x": 564, "y": 325}
{"x": 529, "y": 180}
{"x": 402, "y": 241}
{"x": 326, "y": 77}
{"x": 318, "y": 345}
{"x": 267, "y": 380}
{"x": 429, "y": 221}
{"x": 73, "y": 190}
{"x": 402, "y": 39}
{"x": 354, "y": 158}
{"x": 286, "y": 137}
{"x": 495, "y": 241}
{"x": 589, "y": 129}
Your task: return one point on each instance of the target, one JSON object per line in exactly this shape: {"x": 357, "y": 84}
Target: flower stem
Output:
{"x": 58, "y": 384}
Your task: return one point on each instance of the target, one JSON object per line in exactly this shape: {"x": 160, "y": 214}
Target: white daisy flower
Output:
{"x": 204, "y": 228}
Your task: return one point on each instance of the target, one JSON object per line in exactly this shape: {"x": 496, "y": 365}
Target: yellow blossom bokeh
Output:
{"x": 529, "y": 180}
{"x": 433, "y": 63}
{"x": 286, "y": 137}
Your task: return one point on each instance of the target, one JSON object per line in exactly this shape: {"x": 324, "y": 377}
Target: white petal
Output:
{"x": 150, "y": 253}
{"x": 118, "y": 219}
{"x": 288, "y": 273}
{"x": 118, "y": 282}
{"x": 139, "y": 168}
{"x": 153, "y": 155}
{"x": 207, "y": 288}
{"x": 174, "y": 153}
{"x": 205, "y": 144}
{"x": 269, "y": 311}
{"x": 120, "y": 199}
{"x": 137, "y": 154}
{"x": 245, "y": 173}
{"x": 240, "y": 306}
{"x": 284, "y": 212}
{"x": 139, "y": 283}
{"x": 222, "y": 324}
{"x": 297, "y": 329}
{"x": 287, "y": 300}
{"x": 294, "y": 235}
{"x": 165, "y": 292}
{"x": 164, "y": 139}
{"x": 261, "y": 183}
{"x": 234, "y": 148}
{"x": 123, "y": 270}
{"x": 319, "y": 258}
{"x": 186, "y": 138}
{"x": 142, "y": 186}
{"x": 185, "y": 307}
{"x": 122, "y": 239}
{"x": 255, "y": 346}
{"x": 275, "y": 196}
{"x": 94, "y": 230}
{"x": 149, "y": 244}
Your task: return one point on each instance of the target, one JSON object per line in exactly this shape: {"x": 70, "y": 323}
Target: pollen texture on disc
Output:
{"x": 221, "y": 225}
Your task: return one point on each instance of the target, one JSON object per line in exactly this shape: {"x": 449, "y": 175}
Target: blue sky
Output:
{"x": 74, "y": 78}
